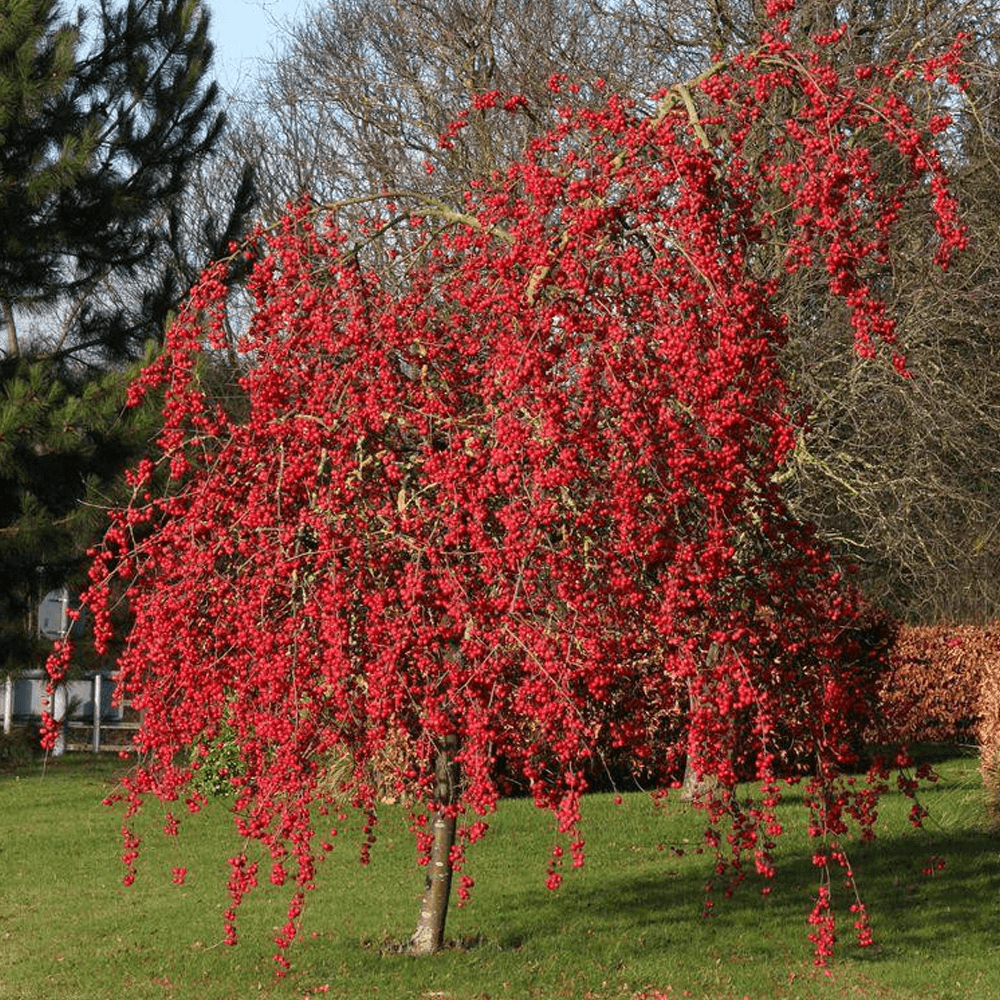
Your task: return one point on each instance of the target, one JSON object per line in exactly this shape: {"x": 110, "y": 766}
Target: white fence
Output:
{"x": 90, "y": 721}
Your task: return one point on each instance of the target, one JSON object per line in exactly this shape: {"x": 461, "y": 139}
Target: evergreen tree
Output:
{"x": 104, "y": 122}
{"x": 62, "y": 445}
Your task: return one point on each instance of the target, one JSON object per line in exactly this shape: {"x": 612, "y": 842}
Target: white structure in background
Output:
{"x": 54, "y": 622}
{"x": 83, "y": 703}
{"x": 80, "y": 703}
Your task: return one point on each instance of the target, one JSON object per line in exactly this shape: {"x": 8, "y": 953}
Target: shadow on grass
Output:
{"x": 660, "y": 906}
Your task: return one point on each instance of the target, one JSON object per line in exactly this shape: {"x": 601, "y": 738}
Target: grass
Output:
{"x": 629, "y": 923}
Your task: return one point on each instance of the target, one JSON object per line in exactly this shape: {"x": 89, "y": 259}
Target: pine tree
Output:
{"x": 104, "y": 122}
{"x": 62, "y": 445}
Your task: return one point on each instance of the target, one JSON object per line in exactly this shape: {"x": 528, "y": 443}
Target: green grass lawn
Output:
{"x": 630, "y": 922}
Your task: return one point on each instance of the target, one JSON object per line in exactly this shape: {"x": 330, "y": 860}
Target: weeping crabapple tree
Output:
{"x": 506, "y": 505}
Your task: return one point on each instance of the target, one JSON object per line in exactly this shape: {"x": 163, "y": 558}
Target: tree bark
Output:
{"x": 429, "y": 935}
{"x": 695, "y": 786}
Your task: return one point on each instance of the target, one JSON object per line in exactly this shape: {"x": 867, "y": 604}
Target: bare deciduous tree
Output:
{"x": 366, "y": 88}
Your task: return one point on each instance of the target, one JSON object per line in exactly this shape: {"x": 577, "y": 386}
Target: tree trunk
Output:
{"x": 429, "y": 935}
{"x": 696, "y": 787}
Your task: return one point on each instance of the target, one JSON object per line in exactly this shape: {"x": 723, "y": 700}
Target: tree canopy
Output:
{"x": 504, "y": 500}
{"x": 899, "y": 479}
{"x": 99, "y": 141}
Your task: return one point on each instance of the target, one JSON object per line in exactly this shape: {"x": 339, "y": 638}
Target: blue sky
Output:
{"x": 246, "y": 31}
